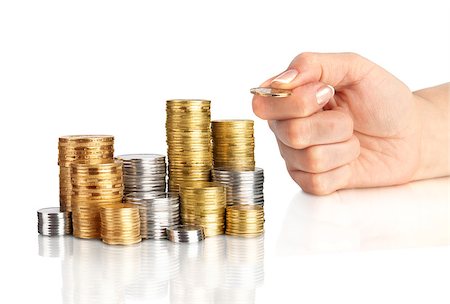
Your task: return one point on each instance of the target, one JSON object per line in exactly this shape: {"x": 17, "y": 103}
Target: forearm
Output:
{"x": 434, "y": 112}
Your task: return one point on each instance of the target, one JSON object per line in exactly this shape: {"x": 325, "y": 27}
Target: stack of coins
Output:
{"x": 120, "y": 224}
{"x": 244, "y": 187}
{"x": 233, "y": 144}
{"x": 80, "y": 148}
{"x": 92, "y": 186}
{"x": 203, "y": 204}
{"x": 52, "y": 221}
{"x": 189, "y": 150}
{"x": 185, "y": 234}
{"x": 157, "y": 212}
{"x": 144, "y": 173}
{"x": 246, "y": 221}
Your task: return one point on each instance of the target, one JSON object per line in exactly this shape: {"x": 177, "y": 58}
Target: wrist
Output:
{"x": 433, "y": 137}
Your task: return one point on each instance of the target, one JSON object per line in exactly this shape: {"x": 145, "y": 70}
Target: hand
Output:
{"x": 368, "y": 131}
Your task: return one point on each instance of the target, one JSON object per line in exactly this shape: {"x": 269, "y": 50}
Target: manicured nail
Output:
{"x": 286, "y": 76}
{"x": 324, "y": 94}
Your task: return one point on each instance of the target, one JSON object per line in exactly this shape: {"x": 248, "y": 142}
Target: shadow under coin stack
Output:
{"x": 189, "y": 150}
{"x": 120, "y": 224}
{"x": 94, "y": 185}
{"x": 203, "y": 204}
{"x": 144, "y": 173}
{"x": 80, "y": 148}
{"x": 233, "y": 143}
{"x": 157, "y": 211}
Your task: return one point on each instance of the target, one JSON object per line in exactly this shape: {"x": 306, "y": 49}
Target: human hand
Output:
{"x": 368, "y": 131}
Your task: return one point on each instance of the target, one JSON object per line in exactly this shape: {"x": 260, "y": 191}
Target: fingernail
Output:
{"x": 286, "y": 76}
{"x": 324, "y": 94}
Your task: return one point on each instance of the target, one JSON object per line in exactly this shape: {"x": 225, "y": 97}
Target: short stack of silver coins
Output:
{"x": 244, "y": 187}
{"x": 185, "y": 234}
{"x": 52, "y": 222}
{"x": 157, "y": 212}
{"x": 144, "y": 173}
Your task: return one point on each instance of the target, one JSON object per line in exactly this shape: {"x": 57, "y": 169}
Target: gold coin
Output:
{"x": 271, "y": 92}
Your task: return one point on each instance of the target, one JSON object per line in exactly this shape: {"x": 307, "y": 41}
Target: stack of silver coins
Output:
{"x": 185, "y": 234}
{"x": 52, "y": 221}
{"x": 157, "y": 211}
{"x": 244, "y": 187}
{"x": 144, "y": 173}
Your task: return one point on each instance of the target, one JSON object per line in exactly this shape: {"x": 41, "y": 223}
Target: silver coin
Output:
{"x": 53, "y": 222}
{"x": 270, "y": 92}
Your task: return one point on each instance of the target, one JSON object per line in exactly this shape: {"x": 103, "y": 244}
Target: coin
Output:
{"x": 233, "y": 144}
{"x": 120, "y": 224}
{"x": 157, "y": 211}
{"x": 52, "y": 221}
{"x": 84, "y": 149}
{"x": 244, "y": 187}
{"x": 245, "y": 220}
{"x": 189, "y": 150}
{"x": 93, "y": 186}
{"x": 185, "y": 233}
{"x": 270, "y": 92}
{"x": 203, "y": 204}
{"x": 144, "y": 173}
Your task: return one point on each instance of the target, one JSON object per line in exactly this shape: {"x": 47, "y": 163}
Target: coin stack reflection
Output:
{"x": 201, "y": 271}
{"x": 189, "y": 150}
{"x": 144, "y": 173}
{"x": 245, "y": 220}
{"x": 120, "y": 224}
{"x": 158, "y": 264}
{"x": 84, "y": 149}
{"x": 244, "y": 187}
{"x": 203, "y": 204}
{"x": 94, "y": 185}
{"x": 157, "y": 211}
{"x": 233, "y": 144}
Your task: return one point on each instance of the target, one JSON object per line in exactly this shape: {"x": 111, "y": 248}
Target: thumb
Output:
{"x": 336, "y": 69}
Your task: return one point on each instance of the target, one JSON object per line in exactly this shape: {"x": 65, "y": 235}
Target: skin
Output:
{"x": 373, "y": 132}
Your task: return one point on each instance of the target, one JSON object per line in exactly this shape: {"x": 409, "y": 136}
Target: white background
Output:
{"x": 78, "y": 67}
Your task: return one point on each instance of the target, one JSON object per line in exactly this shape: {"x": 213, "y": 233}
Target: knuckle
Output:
{"x": 314, "y": 159}
{"x": 317, "y": 184}
{"x": 297, "y": 134}
{"x": 304, "y": 58}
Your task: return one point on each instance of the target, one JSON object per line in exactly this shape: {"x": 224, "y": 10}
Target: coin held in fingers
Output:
{"x": 270, "y": 92}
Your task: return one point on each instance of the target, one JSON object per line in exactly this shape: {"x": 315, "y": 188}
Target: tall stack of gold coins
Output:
{"x": 245, "y": 220}
{"x": 80, "y": 148}
{"x": 233, "y": 144}
{"x": 189, "y": 150}
{"x": 203, "y": 204}
{"x": 94, "y": 185}
{"x": 120, "y": 224}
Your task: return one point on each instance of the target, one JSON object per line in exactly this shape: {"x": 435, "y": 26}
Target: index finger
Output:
{"x": 304, "y": 101}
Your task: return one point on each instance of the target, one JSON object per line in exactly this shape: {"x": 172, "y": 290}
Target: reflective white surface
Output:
{"x": 365, "y": 246}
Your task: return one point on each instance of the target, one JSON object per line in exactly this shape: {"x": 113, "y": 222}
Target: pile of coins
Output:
{"x": 189, "y": 150}
{"x": 233, "y": 144}
{"x": 93, "y": 185}
{"x": 244, "y": 187}
{"x": 52, "y": 221}
{"x": 157, "y": 211}
{"x": 120, "y": 224}
{"x": 185, "y": 234}
{"x": 83, "y": 149}
{"x": 245, "y": 220}
{"x": 144, "y": 173}
{"x": 203, "y": 204}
